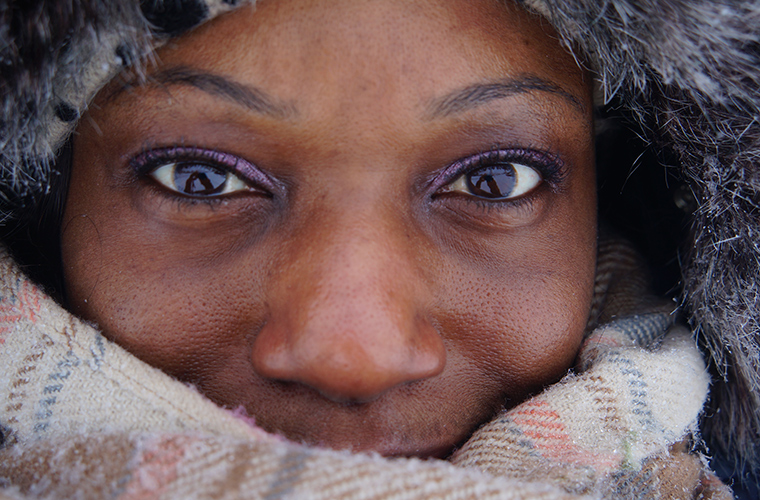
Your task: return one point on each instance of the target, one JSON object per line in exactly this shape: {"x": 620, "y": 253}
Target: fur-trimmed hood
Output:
{"x": 685, "y": 74}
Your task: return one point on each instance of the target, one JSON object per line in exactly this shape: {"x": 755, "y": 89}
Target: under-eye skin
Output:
{"x": 201, "y": 173}
{"x": 500, "y": 175}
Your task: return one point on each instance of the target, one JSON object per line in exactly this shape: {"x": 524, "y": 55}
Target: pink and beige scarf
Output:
{"x": 82, "y": 418}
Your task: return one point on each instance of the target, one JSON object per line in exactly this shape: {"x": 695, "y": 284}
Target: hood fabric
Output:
{"x": 685, "y": 72}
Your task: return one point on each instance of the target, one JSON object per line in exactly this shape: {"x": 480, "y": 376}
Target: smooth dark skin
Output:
{"x": 358, "y": 305}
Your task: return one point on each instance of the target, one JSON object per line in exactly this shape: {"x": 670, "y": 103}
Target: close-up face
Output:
{"x": 370, "y": 223}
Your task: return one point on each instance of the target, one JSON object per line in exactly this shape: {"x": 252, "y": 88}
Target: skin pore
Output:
{"x": 371, "y": 223}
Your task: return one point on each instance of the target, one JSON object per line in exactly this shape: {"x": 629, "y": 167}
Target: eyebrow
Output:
{"x": 479, "y": 94}
{"x": 250, "y": 97}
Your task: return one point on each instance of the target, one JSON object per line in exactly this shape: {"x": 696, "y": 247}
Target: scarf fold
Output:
{"x": 82, "y": 418}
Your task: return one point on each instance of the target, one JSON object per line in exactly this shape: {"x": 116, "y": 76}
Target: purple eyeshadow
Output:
{"x": 549, "y": 166}
{"x": 145, "y": 162}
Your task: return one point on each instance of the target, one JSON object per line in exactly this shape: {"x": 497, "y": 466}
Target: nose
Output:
{"x": 347, "y": 318}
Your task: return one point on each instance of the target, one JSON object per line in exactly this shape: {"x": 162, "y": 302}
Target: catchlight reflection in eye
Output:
{"x": 197, "y": 179}
{"x": 501, "y": 181}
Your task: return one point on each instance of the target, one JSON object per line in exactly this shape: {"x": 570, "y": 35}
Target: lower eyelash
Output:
{"x": 487, "y": 206}
{"x": 180, "y": 201}
{"x": 551, "y": 167}
{"x": 477, "y": 212}
{"x": 147, "y": 161}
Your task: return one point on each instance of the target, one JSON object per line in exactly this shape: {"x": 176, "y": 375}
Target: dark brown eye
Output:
{"x": 492, "y": 182}
{"x": 500, "y": 181}
{"x": 197, "y": 179}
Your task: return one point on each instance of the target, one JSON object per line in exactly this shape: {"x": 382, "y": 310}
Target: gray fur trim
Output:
{"x": 48, "y": 79}
{"x": 690, "y": 72}
{"x": 55, "y": 56}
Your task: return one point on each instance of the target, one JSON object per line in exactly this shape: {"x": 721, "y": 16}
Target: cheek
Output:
{"x": 193, "y": 322}
{"x": 519, "y": 319}
{"x": 179, "y": 303}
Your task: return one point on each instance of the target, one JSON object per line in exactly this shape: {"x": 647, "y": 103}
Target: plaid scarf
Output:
{"x": 82, "y": 418}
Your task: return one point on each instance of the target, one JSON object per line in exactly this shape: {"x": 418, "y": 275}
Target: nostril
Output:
{"x": 347, "y": 317}
{"x": 349, "y": 367}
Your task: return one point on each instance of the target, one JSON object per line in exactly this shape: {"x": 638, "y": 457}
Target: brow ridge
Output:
{"x": 247, "y": 96}
{"x": 482, "y": 93}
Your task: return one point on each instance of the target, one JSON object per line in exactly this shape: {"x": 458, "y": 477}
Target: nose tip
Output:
{"x": 353, "y": 364}
{"x": 348, "y": 310}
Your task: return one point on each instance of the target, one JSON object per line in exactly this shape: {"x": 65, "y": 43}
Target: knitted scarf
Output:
{"x": 82, "y": 418}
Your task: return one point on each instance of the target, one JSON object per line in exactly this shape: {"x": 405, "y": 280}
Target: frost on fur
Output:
{"x": 689, "y": 71}
{"x": 45, "y": 47}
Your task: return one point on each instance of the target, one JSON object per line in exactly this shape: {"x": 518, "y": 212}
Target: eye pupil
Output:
{"x": 496, "y": 181}
{"x": 199, "y": 179}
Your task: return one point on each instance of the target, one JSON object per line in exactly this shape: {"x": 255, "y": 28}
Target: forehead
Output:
{"x": 318, "y": 55}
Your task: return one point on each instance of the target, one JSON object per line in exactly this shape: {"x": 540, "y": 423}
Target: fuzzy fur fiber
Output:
{"x": 690, "y": 73}
{"x": 687, "y": 70}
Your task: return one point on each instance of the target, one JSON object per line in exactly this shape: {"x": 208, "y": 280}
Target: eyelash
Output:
{"x": 150, "y": 160}
{"x": 549, "y": 166}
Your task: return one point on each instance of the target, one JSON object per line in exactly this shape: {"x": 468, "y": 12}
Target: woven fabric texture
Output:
{"x": 82, "y": 418}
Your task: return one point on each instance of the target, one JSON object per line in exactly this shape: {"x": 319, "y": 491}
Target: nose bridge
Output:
{"x": 357, "y": 253}
{"x": 363, "y": 259}
{"x": 349, "y": 319}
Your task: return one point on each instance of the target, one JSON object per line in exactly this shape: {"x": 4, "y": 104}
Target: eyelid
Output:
{"x": 526, "y": 175}
{"x": 550, "y": 166}
{"x": 165, "y": 173}
{"x": 147, "y": 161}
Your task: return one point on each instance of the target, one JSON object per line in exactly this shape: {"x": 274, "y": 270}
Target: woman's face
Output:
{"x": 370, "y": 223}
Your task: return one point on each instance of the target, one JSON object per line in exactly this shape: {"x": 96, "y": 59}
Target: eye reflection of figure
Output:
{"x": 371, "y": 224}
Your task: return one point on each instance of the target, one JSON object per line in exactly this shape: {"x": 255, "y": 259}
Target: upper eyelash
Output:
{"x": 148, "y": 160}
{"x": 550, "y": 166}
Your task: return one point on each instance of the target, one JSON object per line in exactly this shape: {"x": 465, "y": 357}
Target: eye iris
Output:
{"x": 497, "y": 181}
{"x": 199, "y": 179}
